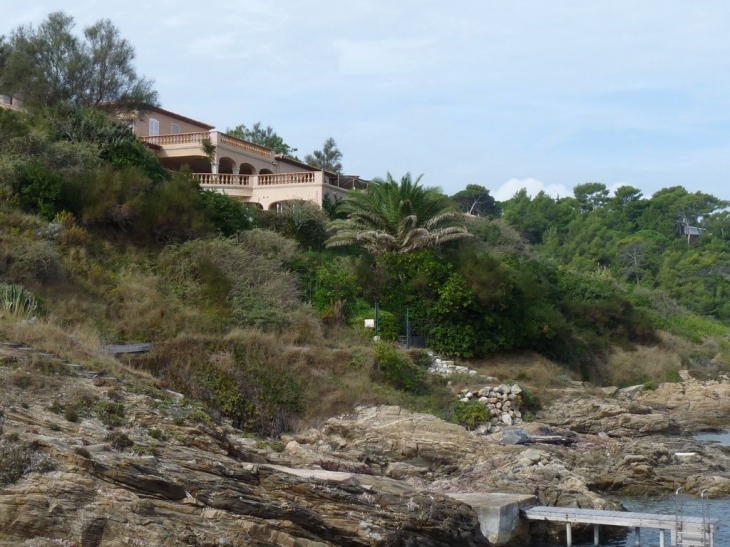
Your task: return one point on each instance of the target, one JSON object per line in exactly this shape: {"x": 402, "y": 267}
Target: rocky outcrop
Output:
{"x": 614, "y": 418}
{"x": 693, "y": 404}
{"x": 160, "y": 473}
{"x": 164, "y": 476}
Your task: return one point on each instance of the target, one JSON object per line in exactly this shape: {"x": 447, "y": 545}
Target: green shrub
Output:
{"x": 398, "y": 369}
{"x": 529, "y": 401}
{"x": 110, "y": 413}
{"x": 246, "y": 278}
{"x": 39, "y": 190}
{"x": 119, "y": 440}
{"x": 673, "y": 375}
{"x": 471, "y": 414}
{"x": 71, "y": 415}
{"x": 245, "y": 377}
{"x": 387, "y": 324}
{"x": 229, "y": 216}
{"x": 174, "y": 211}
{"x": 110, "y": 197}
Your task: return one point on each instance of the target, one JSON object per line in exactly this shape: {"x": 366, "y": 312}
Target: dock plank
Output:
{"x": 614, "y": 518}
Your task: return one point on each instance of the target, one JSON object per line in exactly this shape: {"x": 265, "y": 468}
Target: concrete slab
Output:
{"x": 499, "y": 514}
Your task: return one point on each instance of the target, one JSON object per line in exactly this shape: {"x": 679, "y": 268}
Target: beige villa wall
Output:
{"x": 142, "y": 125}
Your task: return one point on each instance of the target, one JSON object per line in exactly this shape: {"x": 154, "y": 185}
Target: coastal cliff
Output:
{"x": 91, "y": 461}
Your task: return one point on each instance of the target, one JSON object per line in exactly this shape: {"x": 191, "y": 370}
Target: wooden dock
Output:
{"x": 685, "y": 531}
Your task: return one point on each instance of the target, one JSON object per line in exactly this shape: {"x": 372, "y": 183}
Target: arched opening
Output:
{"x": 225, "y": 166}
{"x": 246, "y": 169}
{"x": 266, "y": 172}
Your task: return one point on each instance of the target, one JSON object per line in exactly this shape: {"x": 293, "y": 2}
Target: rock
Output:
{"x": 507, "y": 419}
{"x": 515, "y": 435}
{"x": 617, "y": 419}
{"x": 516, "y": 390}
{"x": 609, "y": 391}
{"x": 630, "y": 392}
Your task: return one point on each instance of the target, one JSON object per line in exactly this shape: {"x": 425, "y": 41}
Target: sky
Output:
{"x": 525, "y": 93}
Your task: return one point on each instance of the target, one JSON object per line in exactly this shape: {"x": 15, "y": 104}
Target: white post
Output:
{"x": 595, "y": 534}
{"x": 569, "y": 534}
{"x": 661, "y": 538}
{"x": 637, "y": 531}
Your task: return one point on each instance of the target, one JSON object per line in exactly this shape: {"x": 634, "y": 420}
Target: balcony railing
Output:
{"x": 307, "y": 177}
{"x": 179, "y": 138}
{"x": 287, "y": 178}
{"x": 244, "y": 145}
{"x": 222, "y": 178}
{"x": 216, "y": 138}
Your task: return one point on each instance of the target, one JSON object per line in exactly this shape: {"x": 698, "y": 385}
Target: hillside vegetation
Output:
{"x": 258, "y": 315}
{"x": 257, "y": 318}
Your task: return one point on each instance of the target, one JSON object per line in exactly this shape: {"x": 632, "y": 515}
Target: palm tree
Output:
{"x": 396, "y": 217}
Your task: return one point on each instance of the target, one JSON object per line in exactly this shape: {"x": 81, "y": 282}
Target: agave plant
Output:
{"x": 16, "y": 302}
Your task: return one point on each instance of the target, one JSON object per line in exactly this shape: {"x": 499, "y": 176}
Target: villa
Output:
{"x": 240, "y": 169}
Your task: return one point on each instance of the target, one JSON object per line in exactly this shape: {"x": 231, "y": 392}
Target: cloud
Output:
{"x": 533, "y": 187}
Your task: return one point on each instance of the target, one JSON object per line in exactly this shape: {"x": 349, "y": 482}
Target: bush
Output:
{"x": 471, "y": 414}
{"x": 109, "y": 197}
{"x": 18, "y": 460}
{"x": 398, "y": 369}
{"x": 302, "y": 221}
{"x": 71, "y": 415}
{"x": 109, "y": 413}
{"x": 246, "y": 278}
{"x": 39, "y": 190}
{"x": 119, "y": 440}
{"x": 244, "y": 376}
{"x": 229, "y": 216}
{"x": 387, "y": 324}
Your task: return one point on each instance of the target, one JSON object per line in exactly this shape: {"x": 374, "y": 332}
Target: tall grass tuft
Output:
{"x": 16, "y": 302}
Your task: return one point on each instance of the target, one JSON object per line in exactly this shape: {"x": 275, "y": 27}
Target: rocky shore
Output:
{"x": 378, "y": 476}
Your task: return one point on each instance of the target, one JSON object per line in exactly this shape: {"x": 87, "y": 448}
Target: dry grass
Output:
{"x": 78, "y": 344}
{"x": 47, "y": 335}
{"x": 644, "y": 364}
{"x": 534, "y": 371}
{"x": 525, "y": 367}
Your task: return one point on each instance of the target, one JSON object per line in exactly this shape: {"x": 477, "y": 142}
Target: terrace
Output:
{"x": 247, "y": 171}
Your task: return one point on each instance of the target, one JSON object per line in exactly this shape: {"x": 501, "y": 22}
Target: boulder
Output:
{"x": 515, "y": 435}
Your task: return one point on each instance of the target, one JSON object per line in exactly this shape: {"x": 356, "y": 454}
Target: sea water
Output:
{"x": 691, "y": 507}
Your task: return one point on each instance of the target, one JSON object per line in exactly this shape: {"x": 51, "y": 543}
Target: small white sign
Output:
{"x": 369, "y": 323}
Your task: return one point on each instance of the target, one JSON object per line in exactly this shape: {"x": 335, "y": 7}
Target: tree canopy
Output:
{"x": 263, "y": 136}
{"x": 328, "y": 158}
{"x": 476, "y": 200}
{"x": 396, "y": 217}
{"x": 48, "y": 66}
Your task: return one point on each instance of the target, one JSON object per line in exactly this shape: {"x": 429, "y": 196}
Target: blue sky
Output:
{"x": 544, "y": 95}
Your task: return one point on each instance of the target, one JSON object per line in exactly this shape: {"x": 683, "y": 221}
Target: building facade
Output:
{"x": 238, "y": 168}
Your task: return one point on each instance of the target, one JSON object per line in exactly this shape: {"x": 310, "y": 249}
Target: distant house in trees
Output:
{"x": 237, "y": 168}
{"x": 10, "y": 103}
{"x": 684, "y": 229}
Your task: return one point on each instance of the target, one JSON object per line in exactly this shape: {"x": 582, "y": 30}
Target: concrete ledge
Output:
{"x": 499, "y": 514}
